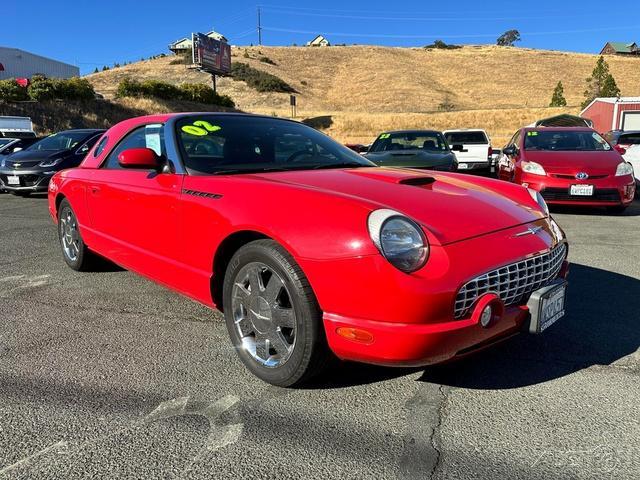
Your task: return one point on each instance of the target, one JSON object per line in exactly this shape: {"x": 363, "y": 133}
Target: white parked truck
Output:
{"x": 472, "y": 148}
{"x": 16, "y": 127}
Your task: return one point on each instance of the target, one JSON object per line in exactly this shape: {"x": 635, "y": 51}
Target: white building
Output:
{"x": 16, "y": 63}
{"x": 319, "y": 41}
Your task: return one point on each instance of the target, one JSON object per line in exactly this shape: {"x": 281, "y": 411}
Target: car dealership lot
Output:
{"x": 109, "y": 375}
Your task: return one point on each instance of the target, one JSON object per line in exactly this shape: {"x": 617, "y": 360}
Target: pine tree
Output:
{"x": 96, "y": 70}
{"x": 557, "y": 99}
{"x": 610, "y": 88}
{"x": 596, "y": 83}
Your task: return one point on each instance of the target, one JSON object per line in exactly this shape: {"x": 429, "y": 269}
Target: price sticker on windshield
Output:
{"x": 200, "y": 128}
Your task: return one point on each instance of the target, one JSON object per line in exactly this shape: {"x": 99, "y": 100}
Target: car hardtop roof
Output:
{"x": 558, "y": 129}
{"x": 413, "y": 131}
{"x": 230, "y": 114}
{"x": 464, "y": 130}
{"x": 87, "y": 130}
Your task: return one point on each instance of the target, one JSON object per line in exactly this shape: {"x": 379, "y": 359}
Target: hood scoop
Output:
{"x": 417, "y": 181}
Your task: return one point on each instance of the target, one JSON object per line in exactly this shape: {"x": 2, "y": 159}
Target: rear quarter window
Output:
{"x": 629, "y": 139}
{"x": 467, "y": 138}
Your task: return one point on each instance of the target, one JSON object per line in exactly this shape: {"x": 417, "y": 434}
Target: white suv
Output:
{"x": 472, "y": 148}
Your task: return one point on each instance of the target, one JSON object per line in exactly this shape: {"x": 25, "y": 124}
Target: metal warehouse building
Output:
{"x": 614, "y": 113}
{"x": 16, "y": 63}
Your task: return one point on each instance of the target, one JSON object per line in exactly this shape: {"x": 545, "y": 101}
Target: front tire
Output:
{"x": 74, "y": 251}
{"x": 272, "y": 315}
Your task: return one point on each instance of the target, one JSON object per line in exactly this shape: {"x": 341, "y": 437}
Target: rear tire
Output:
{"x": 272, "y": 315}
{"x": 74, "y": 251}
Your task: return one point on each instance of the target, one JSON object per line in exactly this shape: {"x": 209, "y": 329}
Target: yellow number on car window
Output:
{"x": 207, "y": 125}
{"x": 193, "y": 130}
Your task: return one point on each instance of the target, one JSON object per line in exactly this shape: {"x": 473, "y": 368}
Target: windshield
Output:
{"x": 60, "y": 141}
{"x": 5, "y": 141}
{"x": 467, "y": 138}
{"x": 432, "y": 141}
{"x": 629, "y": 139}
{"x": 241, "y": 144}
{"x": 556, "y": 140}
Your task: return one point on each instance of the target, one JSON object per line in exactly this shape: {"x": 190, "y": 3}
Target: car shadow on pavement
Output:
{"x": 600, "y": 328}
{"x": 632, "y": 210}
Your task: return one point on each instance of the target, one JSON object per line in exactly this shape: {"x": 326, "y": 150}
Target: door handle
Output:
{"x": 95, "y": 189}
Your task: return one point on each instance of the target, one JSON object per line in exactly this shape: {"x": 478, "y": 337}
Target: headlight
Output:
{"x": 399, "y": 239}
{"x": 533, "y": 167}
{"x": 624, "y": 168}
{"x": 537, "y": 196}
{"x": 2, "y": 162}
{"x": 50, "y": 163}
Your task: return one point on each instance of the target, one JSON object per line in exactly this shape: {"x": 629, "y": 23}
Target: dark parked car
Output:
{"x": 12, "y": 145}
{"x": 30, "y": 170}
{"x": 424, "y": 149}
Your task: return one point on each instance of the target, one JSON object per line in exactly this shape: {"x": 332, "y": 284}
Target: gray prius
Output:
{"x": 425, "y": 149}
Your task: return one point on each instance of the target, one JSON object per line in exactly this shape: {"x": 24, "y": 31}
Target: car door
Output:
{"x": 135, "y": 213}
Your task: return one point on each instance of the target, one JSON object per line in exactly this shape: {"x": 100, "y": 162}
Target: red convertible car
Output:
{"x": 309, "y": 249}
{"x": 569, "y": 166}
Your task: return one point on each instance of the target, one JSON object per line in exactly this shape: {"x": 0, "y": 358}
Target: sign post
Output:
{"x": 292, "y": 101}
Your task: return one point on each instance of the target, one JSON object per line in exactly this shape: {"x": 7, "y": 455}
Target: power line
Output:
{"x": 436, "y": 36}
{"x": 413, "y": 18}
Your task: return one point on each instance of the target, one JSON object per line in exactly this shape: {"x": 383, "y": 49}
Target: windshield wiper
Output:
{"x": 340, "y": 165}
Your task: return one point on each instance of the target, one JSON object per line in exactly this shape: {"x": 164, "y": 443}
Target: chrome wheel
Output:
{"x": 263, "y": 314}
{"x": 69, "y": 234}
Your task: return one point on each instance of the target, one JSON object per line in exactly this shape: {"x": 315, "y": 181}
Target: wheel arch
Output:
{"x": 59, "y": 198}
{"x": 227, "y": 248}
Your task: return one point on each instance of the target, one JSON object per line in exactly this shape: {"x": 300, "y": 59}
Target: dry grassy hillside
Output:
{"x": 367, "y": 89}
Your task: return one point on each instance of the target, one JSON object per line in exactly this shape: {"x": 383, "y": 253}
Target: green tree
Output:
{"x": 508, "y": 38}
{"x": 600, "y": 84}
{"x": 96, "y": 70}
{"x": 557, "y": 99}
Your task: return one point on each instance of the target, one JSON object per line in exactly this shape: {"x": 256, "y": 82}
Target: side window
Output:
{"x": 100, "y": 148}
{"x": 86, "y": 146}
{"x": 147, "y": 136}
{"x": 516, "y": 139}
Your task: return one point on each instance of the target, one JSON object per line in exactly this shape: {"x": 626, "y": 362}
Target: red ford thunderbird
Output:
{"x": 310, "y": 250}
{"x": 569, "y": 166}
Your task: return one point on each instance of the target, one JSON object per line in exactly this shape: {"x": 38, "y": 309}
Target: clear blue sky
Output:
{"x": 92, "y": 33}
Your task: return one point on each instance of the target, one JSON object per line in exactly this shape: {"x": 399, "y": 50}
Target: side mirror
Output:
{"x": 457, "y": 148}
{"x": 510, "y": 151}
{"x": 143, "y": 158}
{"x": 620, "y": 150}
{"x": 17, "y": 149}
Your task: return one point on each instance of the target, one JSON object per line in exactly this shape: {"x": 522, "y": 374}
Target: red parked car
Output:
{"x": 307, "y": 247}
{"x": 569, "y": 166}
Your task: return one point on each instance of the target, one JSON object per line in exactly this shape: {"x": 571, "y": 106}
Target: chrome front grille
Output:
{"x": 512, "y": 283}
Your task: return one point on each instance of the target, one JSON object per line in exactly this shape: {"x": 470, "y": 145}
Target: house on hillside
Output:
{"x": 620, "y": 48}
{"x": 184, "y": 45}
{"x": 319, "y": 41}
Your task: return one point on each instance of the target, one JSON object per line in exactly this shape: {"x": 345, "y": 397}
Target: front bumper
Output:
{"x": 30, "y": 180}
{"x": 410, "y": 317}
{"x": 610, "y": 190}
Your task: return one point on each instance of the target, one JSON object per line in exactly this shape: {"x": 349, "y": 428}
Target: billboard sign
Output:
{"x": 211, "y": 55}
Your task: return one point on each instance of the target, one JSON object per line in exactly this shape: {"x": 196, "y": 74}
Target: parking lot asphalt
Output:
{"x": 108, "y": 375}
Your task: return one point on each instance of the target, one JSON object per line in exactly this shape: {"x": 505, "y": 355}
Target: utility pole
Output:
{"x": 259, "y": 29}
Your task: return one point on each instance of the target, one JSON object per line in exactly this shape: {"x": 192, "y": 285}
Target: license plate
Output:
{"x": 547, "y": 306}
{"x": 463, "y": 166}
{"x": 13, "y": 180}
{"x": 584, "y": 190}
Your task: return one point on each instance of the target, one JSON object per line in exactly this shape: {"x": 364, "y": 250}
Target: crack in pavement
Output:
{"x": 422, "y": 454}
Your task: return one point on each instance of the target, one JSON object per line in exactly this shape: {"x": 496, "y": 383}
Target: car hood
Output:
{"x": 593, "y": 163}
{"x": 452, "y": 207}
{"x": 39, "y": 155}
